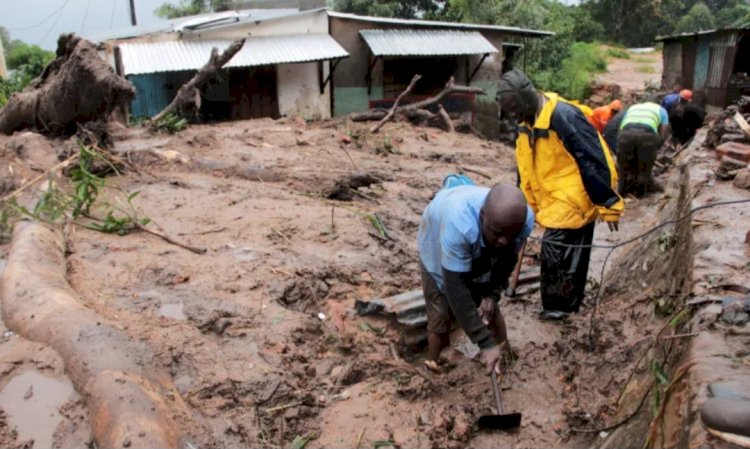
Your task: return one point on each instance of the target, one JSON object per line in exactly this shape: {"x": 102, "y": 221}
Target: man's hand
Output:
{"x": 613, "y": 226}
{"x": 487, "y": 310}
{"x": 491, "y": 359}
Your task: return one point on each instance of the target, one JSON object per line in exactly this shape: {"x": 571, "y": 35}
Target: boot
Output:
{"x": 727, "y": 419}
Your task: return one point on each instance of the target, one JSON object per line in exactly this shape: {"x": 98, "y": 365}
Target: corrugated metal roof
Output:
{"x": 152, "y": 57}
{"x": 438, "y": 24}
{"x": 426, "y": 42}
{"x": 700, "y": 33}
{"x": 197, "y": 22}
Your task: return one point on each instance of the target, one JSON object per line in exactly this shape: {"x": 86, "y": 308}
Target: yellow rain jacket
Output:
{"x": 565, "y": 168}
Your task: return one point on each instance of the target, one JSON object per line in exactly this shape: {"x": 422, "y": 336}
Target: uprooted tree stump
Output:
{"x": 189, "y": 95}
{"x": 76, "y": 87}
{"x": 417, "y": 111}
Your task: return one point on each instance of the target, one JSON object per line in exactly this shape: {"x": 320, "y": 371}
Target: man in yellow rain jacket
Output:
{"x": 569, "y": 179}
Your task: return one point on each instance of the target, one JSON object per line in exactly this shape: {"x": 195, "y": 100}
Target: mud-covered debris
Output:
{"x": 736, "y": 310}
{"x": 225, "y": 323}
{"x": 742, "y": 179}
{"x": 729, "y": 167}
{"x": 452, "y": 426}
{"x": 346, "y": 188}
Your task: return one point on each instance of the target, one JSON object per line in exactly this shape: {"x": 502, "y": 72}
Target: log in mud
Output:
{"x": 116, "y": 375}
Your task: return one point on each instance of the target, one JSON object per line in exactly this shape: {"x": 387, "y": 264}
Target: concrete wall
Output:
{"x": 672, "y": 72}
{"x": 299, "y": 92}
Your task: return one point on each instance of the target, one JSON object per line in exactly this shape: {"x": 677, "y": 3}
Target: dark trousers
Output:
{"x": 564, "y": 269}
{"x": 636, "y": 155}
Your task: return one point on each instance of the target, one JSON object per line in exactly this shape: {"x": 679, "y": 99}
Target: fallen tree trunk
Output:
{"x": 417, "y": 110}
{"x": 77, "y": 87}
{"x": 189, "y": 95}
{"x": 119, "y": 377}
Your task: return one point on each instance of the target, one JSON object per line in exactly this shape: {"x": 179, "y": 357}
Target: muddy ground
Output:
{"x": 259, "y": 334}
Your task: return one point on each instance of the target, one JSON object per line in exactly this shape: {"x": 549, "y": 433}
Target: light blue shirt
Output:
{"x": 450, "y": 234}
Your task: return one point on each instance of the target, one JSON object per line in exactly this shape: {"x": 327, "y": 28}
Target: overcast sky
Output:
{"x": 42, "y": 21}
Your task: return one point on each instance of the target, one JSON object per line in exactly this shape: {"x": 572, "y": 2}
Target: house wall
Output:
{"x": 672, "y": 59}
{"x": 702, "y": 59}
{"x": 299, "y": 91}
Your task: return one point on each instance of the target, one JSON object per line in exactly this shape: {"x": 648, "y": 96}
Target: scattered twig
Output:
{"x": 282, "y": 235}
{"x": 476, "y": 171}
{"x": 678, "y": 375}
{"x": 392, "y": 111}
{"x": 359, "y": 438}
{"x": 283, "y": 407}
{"x": 350, "y": 157}
{"x": 62, "y": 164}
{"x": 333, "y": 223}
{"x": 210, "y": 231}
{"x": 363, "y": 195}
{"x": 168, "y": 239}
{"x": 669, "y": 337}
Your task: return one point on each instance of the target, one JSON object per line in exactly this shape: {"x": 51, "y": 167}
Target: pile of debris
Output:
{"x": 602, "y": 94}
{"x": 729, "y": 136}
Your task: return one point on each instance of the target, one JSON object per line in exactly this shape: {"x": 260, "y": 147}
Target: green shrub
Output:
{"x": 573, "y": 79}
{"x": 646, "y": 69}
{"x": 618, "y": 53}
{"x": 643, "y": 60}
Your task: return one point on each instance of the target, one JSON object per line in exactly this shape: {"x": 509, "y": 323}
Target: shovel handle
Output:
{"x": 496, "y": 390}
{"x": 511, "y": 291}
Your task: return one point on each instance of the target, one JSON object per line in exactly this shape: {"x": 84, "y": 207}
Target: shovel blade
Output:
{"x": 500, "y": 422}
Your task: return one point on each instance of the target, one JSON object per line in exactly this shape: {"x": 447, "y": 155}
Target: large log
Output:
{"x": 189, "y": 95}
{"x": 76, "y": 87}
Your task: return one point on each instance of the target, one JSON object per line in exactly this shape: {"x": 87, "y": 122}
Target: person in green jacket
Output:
{"x": 643, "y": 129}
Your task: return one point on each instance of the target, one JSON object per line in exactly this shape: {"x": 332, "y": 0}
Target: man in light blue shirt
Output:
{"x": 468, "y": 241}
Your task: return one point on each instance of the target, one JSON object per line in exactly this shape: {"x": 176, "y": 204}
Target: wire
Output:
{"x": 43, "y": 20}
{"x": 62, "y": 10}
{"x": 85, "y": 15}
{"x": 112, "y": 14}
{"x": 613, "y": 247}
{"x": 640, "y": 236}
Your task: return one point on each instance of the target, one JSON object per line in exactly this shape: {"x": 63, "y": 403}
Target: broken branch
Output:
{"x": 62, "y": 164}
{"x": 189, "y": 93}
{"x": 392, "y": 111}
{"x": 446, "y": 118}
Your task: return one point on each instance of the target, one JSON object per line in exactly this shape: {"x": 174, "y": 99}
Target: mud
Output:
{"x": 258, "y": 335}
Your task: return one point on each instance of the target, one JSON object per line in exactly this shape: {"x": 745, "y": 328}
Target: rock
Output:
{"x": 737, "y": 150}
{"x": 336, "y": 373}
{"x": 302, "y": 142}
{"x": 742, "y": 179}
{"x": 291, "y": 413}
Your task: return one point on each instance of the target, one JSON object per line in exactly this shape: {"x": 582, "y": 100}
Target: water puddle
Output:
{"x": 175, "y": 311}
{"x": 32, "y": 401}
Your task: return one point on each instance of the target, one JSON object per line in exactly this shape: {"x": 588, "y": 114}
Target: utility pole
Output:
{"x": 133, "y": 21}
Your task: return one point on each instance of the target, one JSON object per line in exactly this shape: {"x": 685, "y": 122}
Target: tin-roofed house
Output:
{"x": 385, "y": 53}
{"x": 714, "y": 64}
{"x": 283, "y": 68}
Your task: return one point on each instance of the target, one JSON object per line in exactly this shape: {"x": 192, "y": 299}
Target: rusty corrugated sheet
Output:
{"x": 723, "y": 49}
{"x": 426, "y": 42}
{"x": 410, "y": 311}
{"x": 173, "y": 56}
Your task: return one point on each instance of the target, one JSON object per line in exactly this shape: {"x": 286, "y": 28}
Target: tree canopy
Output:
{"x": 191, "y": 7}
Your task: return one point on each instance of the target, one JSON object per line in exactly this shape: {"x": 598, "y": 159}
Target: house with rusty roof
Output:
{"x": 312, "y": 63}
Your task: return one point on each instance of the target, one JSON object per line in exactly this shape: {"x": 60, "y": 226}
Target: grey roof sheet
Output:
{"x": 438, "y": 24}
{"x": 152, "y": 57}
{"x": 426, "y": 42}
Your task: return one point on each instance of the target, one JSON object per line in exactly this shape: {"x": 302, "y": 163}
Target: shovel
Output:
{"x": 501, "y": 421}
